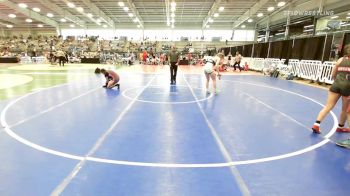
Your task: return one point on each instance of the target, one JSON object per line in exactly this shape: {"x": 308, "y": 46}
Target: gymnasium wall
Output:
{"x": 311, "y": 48}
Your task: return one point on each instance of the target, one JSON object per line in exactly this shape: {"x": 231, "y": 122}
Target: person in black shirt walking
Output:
{"x": 173, "y": 57}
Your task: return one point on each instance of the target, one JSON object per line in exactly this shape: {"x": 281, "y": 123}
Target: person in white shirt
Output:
{"x": 237, "y": 59}
{"x": 211, "y": 69}
{"x": 61, "y": 55}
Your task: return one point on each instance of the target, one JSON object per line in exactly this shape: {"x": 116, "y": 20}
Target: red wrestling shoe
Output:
{"x": 343, "y": 130}
{"x": 316, "y": 128}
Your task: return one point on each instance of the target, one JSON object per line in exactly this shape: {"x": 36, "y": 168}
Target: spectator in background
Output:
{"x": 189, "y": 56}
{"x": 140, "y": 57}
{"x": 161, "y": 59}
{"x": 144, "y": 57}
{"x": 61, "y": 55}
{"x": 229, "y": 59}
{"x": 237, "y": 59}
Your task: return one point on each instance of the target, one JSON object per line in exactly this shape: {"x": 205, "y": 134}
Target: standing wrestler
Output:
{"x": 339, "y": 89}
{"x": 211, "y": 69}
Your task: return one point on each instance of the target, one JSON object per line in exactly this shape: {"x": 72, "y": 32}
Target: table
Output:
{"x": 90, "y": 60}
{"x": 8, "y": 60}
{"x": 183, "y": 62}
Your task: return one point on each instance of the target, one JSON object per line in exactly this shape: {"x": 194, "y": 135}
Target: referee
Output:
{"x": 174, "y": 61}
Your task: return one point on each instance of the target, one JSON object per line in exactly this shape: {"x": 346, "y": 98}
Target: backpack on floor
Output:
{"x": 290, "y": 77}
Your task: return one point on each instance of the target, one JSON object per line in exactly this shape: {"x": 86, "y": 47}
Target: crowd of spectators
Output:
{"x": 51, "y": 48}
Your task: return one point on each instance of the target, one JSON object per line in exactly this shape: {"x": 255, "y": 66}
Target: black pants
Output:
{"x": 61, "y": 59}
{"x": 173, "y": 71}
{"x": 239, "y": 67}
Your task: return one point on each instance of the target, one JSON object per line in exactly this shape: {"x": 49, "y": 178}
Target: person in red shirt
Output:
{"x": 112, "y": 78}
{"x": 246, "y": 66}
{"x": 144, "y": 57}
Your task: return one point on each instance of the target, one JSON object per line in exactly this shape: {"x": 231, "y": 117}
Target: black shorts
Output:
{"x": 341, "y": 87}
